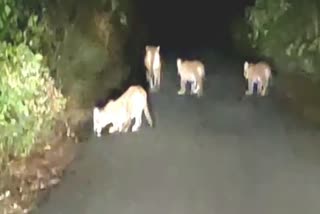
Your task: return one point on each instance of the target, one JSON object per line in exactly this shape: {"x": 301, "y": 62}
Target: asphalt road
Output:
{"x": 220, "y": 154}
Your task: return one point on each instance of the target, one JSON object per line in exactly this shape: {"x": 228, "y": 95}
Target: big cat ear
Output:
{"x": 246, "y": 65}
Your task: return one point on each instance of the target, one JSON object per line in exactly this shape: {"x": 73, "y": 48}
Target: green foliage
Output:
{"x": 20, "y": 24}
{"x": 29, "y": 100}
{"x": 287, "y": 31}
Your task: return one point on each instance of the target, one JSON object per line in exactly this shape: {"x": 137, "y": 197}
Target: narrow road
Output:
{"x": 221, "y": 154}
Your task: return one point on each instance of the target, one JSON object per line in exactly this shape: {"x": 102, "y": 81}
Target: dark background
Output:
{"x": 185, "y": 25}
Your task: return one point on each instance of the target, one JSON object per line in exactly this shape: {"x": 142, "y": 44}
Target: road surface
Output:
{"x": 221, "y": 154}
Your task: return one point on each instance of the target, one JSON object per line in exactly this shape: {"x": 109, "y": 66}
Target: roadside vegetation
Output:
{"x": 48, "y": 86}
{"x": 287, "y": 35}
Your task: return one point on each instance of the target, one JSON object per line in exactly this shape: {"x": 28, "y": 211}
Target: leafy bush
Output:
{"x": 20, "y": 23}
{"x": 286, "y": 31}
{"x": 29, "y": 100}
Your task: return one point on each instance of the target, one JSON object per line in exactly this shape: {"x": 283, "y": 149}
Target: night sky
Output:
{"x": 190, "y": 24}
